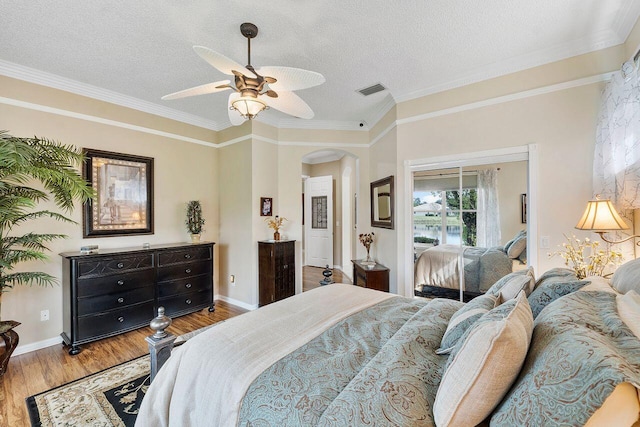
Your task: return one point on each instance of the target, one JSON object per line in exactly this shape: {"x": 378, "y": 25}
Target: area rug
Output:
{"x": 110, "y": 397}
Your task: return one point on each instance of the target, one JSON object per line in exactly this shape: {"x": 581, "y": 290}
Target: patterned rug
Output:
{"x": 108, "y": 398}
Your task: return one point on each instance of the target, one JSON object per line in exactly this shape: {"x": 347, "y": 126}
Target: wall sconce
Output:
{"x": 601, "y": 216}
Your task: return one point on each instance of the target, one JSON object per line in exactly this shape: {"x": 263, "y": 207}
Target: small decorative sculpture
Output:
{"x": 327, "y": 273}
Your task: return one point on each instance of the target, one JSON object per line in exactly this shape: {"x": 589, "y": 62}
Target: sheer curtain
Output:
{"x": 488, "y": 221}
{"x": 616, "y": 163}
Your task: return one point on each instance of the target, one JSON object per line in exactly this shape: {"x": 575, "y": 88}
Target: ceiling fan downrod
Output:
{"x": 249, "y": 30}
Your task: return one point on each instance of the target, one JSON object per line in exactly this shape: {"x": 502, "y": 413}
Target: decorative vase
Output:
{"x": 195, "y": 238}
{"x": 368, "y": 257}
{"x": 10, "y": 338}
{"x": 276, "y": 235}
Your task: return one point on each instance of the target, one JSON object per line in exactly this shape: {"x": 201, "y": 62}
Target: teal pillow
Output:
{"x": 550, "y": 290}
{"x": 463, "y": 319}
{"x": 556, "y": 272}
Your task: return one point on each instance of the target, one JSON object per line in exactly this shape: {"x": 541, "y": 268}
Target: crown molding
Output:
{"x": 32, "y": 75}
{"x": 602, "y": 40}
{"x": 383, "y": 108}
{"x": 626, "y": 19}
{"x": 95, "y": 119}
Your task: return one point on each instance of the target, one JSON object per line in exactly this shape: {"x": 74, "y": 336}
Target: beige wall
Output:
{"x": 183, "y": 171}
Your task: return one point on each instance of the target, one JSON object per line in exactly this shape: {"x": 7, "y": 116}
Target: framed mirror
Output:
{"x": 382, "y": 203}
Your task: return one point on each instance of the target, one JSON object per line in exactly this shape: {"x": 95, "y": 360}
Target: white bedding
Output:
{"x": 441, "y": 268}
{"x": 206, "y": 378}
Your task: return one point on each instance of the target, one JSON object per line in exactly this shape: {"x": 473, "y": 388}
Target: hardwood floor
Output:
{"x": 311, "y": 277}
{"x": 41, "y": 370}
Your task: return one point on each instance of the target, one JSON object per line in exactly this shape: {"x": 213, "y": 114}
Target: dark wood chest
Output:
{"x": 117, "y": 290}
{"x": 277, "y": 270}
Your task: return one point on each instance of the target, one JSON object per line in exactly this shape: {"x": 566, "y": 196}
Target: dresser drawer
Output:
{"x": 185, "y": 302}
{"x": 115, "y": 283}
{"x": 190, "y": 284}
{"x": 115, "y": 300}
{"x": 185, "y": 255}
{"x": 112, "y": 265}
{"x": 184, "y": 270}
{"x": 112, "y": 322}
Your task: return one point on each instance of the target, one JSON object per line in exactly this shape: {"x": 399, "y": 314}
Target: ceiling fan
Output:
{"x": 255, "y": 90}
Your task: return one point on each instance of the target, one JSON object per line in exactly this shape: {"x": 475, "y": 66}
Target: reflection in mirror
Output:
{"x": 466, "y": 221}
{"x": 382, "y": 203}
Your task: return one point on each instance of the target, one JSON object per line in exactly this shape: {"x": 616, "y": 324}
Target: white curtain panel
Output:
{"x": 488, "y": 219}
{"x": 616, "y": 163}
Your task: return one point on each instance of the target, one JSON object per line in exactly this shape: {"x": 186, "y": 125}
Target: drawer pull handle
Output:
{"x": 188, "y": 301}
{"x": 120, "y": 282}
{"x": 120, "y": 265}
{"x": 188, "y": 271}
{"x": 188, "y": 285}
{"x": 187, "y": 256}
{"x": 120, "y": 319}
{"x": 121, "y": 300}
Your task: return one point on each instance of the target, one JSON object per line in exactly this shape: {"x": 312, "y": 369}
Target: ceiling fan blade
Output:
{"x": 290, "y": 79}
{"x": 199, "y": 90}
{"x": 290, "y": 103}
{"x": 220, "y": 62}
{"x": 234, "y": 117}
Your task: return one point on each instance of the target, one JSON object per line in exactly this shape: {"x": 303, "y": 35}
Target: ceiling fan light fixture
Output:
{"x": 248, "y": 107}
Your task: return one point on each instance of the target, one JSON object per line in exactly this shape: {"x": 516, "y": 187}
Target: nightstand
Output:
{"x": 376, "y": 277}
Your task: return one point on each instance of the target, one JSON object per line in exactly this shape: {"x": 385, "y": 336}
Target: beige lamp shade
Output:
{"x": 601, "y": 215}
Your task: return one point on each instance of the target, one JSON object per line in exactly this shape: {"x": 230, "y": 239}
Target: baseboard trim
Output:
{"x": 236, "y": 302}
{"x": 28, "y": 348}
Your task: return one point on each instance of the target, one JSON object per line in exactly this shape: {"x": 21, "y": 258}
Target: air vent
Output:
{"x": 370, "y": 90}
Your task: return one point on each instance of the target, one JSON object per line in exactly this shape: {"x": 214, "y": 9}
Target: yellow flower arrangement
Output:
{"x": 586, "y": 258}
{"x": 276, "y": 222}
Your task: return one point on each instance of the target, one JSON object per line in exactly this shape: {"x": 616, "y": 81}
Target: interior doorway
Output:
{"x": 343, "y": 168}
{"x": 318, "y": 221}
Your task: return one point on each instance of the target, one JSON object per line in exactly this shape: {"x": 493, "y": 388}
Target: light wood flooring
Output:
{"x": 41, "y": 370}
{"x": 311, "y": 277}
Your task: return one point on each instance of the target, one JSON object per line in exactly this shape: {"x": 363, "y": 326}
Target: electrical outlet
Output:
{"x": 44, "y": 315}
{"x": 232, "y": 279}
{"x": 545, "y": 242}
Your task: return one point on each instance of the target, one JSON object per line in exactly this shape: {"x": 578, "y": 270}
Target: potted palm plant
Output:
{"x": 194, "y": 221}
{"x": 32, "y": 170}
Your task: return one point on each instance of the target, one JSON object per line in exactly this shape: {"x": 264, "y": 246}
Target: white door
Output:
{"x": 318, "y": 221}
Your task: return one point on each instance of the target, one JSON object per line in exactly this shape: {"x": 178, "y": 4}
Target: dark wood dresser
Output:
{"x": 376, "y": 277}
{"x": 117, "y": 290}
{"x": 277, "y": 270}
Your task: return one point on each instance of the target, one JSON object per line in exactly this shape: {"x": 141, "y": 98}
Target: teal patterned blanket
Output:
{"x": 376, "y": 365}
{"x": 580, "y": 351}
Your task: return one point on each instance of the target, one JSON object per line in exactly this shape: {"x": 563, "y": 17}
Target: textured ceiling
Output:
{"x": 143, "y": 49}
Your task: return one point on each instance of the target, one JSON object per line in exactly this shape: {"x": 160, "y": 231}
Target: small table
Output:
{"x": 376, "y": 277}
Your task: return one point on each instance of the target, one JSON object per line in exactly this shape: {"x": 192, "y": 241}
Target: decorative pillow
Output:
{"x": 510, "y": 285}
{"x": 550, "y": 290}
{"x": 484, "y": 364}
{"x": 510, "y": 242}
{"x": 629, "y": 311}
{"x": 463, "y": 319}
{"x": 556, "y": 272}
{"x": 518, "y": 245}
{"x": 627, "y": 277}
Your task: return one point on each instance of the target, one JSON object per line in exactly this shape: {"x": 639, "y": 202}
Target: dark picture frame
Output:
{"x": 123, "y": 204}
{"x": 382, "y": 203}
{"x": 523, "y": 208}
{"x": 266, "y": 206}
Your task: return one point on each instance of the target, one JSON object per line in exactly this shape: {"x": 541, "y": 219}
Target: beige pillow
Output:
{"x": 629, "y": 310}
{"x": 484, "y": 364}
{"x": 620, "y": 409}
{"x": 512, "y": 288}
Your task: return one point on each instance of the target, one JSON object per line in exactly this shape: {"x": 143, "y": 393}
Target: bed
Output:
{"x": 342, "y": 355}
{"x": 442, "y": 266}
